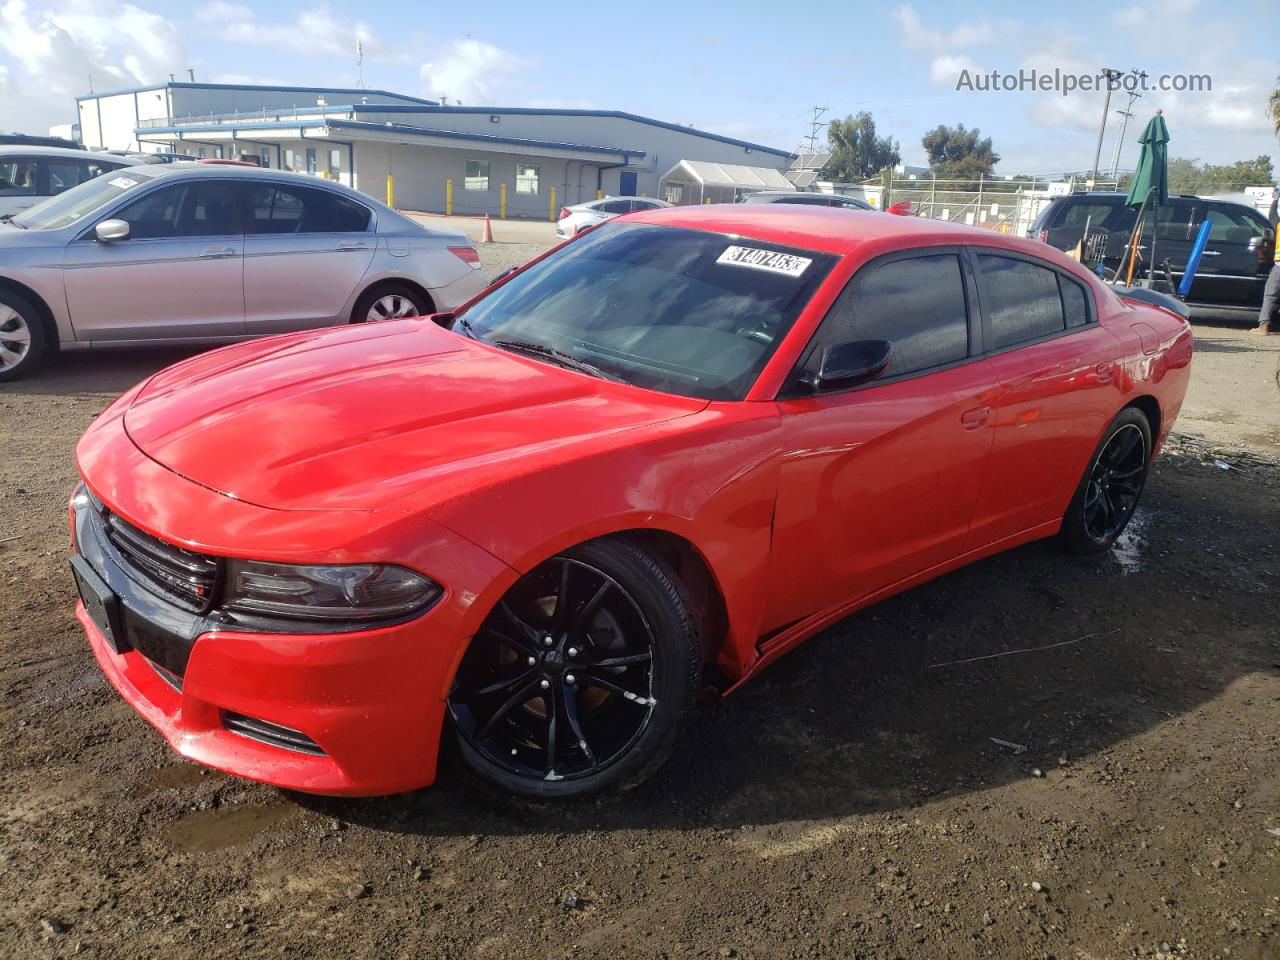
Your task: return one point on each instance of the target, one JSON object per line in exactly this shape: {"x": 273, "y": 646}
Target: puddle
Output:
{"x": 1130, "y": 549}
{"x": 170, "y": 778}
{"x": 222, "y": 827}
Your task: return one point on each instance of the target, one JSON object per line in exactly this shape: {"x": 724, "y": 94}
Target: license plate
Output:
{"x": 100, "y": 603}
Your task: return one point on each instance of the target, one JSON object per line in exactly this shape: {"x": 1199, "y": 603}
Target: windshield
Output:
{"x": 66, "y": 208}
{"x": 682, "y": 311}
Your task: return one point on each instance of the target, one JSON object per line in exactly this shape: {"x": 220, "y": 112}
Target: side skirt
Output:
{"x": 796, "y": 634}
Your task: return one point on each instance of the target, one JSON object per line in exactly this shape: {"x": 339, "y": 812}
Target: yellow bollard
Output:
{"x": 552, "y": 215}
{"x": 448, "y": 198}
{"x": 502, "y": 201}
{"x": 599, "y": 194}
{"x": 706, "y": 199}
{"x": 389, "y": 191}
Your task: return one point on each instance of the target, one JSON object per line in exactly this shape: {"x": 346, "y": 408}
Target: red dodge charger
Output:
{"x": 646, "y": 464}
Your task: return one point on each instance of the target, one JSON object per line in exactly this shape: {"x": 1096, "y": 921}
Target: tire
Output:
{"x": 1111, "y": 487}
{"x": 414, "y": 303}
{"x": 24, "y": 338}
{"x": 615, "y": 722}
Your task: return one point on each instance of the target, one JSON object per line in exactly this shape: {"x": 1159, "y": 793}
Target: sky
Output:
{"x": 739, "y": 68}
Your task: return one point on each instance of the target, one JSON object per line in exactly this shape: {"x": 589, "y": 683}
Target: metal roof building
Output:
{"x": 513, "y": 161}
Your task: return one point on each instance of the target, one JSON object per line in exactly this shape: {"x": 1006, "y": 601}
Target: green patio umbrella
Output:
{"x": 1153, "y": 166}
{"x": 1150, "y": 187}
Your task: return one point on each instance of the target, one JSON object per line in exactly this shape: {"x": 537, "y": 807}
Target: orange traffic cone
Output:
{"x": 487, "y": 235}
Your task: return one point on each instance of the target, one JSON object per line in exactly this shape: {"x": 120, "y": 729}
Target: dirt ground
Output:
{"x": 850, "y": 803}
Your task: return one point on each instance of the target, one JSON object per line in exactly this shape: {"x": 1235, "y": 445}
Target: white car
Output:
{"x": 30, "y": 174}
{"x": 582, "y": 215}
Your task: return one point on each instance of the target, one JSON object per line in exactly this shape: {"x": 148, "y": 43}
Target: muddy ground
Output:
{"x": 850, "y": 803}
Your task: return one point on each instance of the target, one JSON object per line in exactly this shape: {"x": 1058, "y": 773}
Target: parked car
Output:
{"x": 1232, "y": 272}
{"x": 579, "y": 216}
{"x": 199, "y": 253}
{"x": 30, "y": 174}
{"x": 36, "y": 140}
{"x": 810, "y": 199}
{"x": 649, "y": 462}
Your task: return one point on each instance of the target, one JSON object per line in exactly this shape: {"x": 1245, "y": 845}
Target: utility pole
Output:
{"x": 360, "y": 64}
{"x": 814, "y": 126}
{"x": 1125, "y": 116}
{"x": 1112, "y": 75}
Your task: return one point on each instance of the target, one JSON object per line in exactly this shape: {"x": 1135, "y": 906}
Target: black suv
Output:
{"x": 1232, "y": 271}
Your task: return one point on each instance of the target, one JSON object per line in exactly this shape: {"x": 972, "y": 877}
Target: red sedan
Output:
{"x": 647, "y": 464}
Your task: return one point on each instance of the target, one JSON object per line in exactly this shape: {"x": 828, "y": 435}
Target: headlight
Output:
{"x": 366, "y": 591}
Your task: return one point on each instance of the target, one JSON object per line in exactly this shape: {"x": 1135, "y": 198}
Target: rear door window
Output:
{"x": 17, "y": 178}
{"x": 1022, "y": 301}
{"x": 918, "y": 304}
{"x": 304, "y": 210}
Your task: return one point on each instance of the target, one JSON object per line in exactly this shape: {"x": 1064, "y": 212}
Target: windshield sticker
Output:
{"x": 786, "y": 264}
{"x": 124, "y": 183}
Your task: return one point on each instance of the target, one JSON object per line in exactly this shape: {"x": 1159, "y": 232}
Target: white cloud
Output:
{"x": 473, "y": 72}
{"x": 1129, "y": 16}
{"x": 311, "y": 32}
{"x": 53, "y": 53}
{"x": 945, "y": 69}
{"x": 916, "y": 36}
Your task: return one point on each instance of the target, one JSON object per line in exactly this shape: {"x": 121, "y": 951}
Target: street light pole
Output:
{"x": 1112, "y": 76}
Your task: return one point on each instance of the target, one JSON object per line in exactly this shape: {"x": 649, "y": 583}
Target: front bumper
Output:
{"x": 368, "y": 705}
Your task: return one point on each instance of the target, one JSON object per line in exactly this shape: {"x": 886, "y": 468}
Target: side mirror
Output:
{"x": 445, "y": 320}
{"x": 109, "y": 231}
{"x": 901, "y": 209}
{"x": 849, "y": 364}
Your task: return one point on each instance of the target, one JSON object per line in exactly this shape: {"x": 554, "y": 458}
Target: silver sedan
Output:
{"x": 204, "y": 254}
{"x": 578, "y": 217}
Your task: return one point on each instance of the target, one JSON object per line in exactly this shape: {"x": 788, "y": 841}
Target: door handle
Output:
{"x": 213, "y": 253}
{"x": 975, "y": 418}
{"x": 1211, "y": 253}
{"x": 350, "y": 246}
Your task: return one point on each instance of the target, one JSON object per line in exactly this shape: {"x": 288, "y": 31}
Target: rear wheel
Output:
{"x": 581, "y": 678}
{"x": 390, "y": 302}
{"x": 24, "y": 338}
{"x": 1111, "y": 487}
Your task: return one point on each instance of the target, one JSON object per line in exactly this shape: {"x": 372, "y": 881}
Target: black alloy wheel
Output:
{"x": 580, "y": 678}
{"x": 1109, "y": 493}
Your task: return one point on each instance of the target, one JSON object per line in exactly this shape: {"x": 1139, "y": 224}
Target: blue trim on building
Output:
{"x": 181, "y": 85}
{"x": 233, "y": 128}
{"x": 558, "y": 112}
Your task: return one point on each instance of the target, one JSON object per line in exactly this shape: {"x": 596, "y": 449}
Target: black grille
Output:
{"x": 270, "y": 733}
{"x": 186, "y": 578}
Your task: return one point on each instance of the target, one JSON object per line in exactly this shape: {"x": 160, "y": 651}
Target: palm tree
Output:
{"x": 1273, "y": 106}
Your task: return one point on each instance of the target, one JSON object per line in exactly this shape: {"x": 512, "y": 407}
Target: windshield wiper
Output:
{"x": 556, "y": 356}
{"x": 8, "y": 218}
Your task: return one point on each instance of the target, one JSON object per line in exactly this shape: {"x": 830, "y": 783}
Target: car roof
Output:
{"x": 58, "y": 153}
{"x": 194, "y": 168}
{"x": 829, "y": 230}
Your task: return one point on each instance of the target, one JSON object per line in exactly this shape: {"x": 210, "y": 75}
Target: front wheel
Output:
{"x": 581, "y": 678}
{"x": 1109, "y": 491}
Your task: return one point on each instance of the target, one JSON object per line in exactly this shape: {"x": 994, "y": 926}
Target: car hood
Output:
{"x": 355, "y": 418}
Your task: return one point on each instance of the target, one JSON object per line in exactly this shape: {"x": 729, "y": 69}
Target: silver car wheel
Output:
{"x": 15, "y": 338}
{"x": 391, "y": 307}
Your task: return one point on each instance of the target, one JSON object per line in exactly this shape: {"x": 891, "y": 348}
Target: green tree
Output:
{"x": 959, "y": 154}
{"x": 1273, "y": 106}
{"x": 856, "y": 152}
{"x": 1192, "y": 177}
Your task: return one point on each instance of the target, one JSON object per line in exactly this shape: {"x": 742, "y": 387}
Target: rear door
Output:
{"x": 878, "y": 483}
{"x": 1058, "y": 368}
{"x": 306, "y": 252}
{"x": 19, "y": 184}
{"x": 1175, "y": 233}
{"x": 1233, "y": 270}
{"x": 179, "y": 275}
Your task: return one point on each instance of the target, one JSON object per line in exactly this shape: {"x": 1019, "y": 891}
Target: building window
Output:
{"x": 526, "y": 178}
{"x": 477, "y": 177}
{"x": 202, "y": 152}
{"x": 290, "y": 162}
{"x": 335, "y": 164}
{"x": 311, "y": 160}
{"x": 266, "y": 158}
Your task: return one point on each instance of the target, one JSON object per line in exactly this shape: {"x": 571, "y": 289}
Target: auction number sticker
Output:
{"x": 124, "y": 183}
{"x": 787, "y": 264}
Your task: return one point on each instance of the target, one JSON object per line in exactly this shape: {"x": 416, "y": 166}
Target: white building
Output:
{"x": 519, "y": 161}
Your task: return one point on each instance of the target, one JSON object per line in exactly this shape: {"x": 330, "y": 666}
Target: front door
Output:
{"x": 878, "y": 482}
{"x": 1237, "y": 258}
{"x": 307, "y": 250}
{"x": 178, "y": 275}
